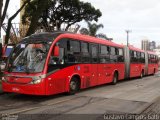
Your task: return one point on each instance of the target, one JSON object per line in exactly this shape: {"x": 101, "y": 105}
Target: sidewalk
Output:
{"x": 153, "y": 109}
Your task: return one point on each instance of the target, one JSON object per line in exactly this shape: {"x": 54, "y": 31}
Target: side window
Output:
{"x": 56, "y": 62}
{"x": 120, "y": 55}
{"x": 85, "y": 47}
{"x": 61, "y": 58}
{"x": 138, "y": 57}
{"x": 73, "y": 51}
{"x": 85, "y": 52}
{"x": 104, "y": 54}
{"x": 154, "y": 59}
{"x": 142, "y": 59}
{"x": 121, "y": 52}
{"x": 94, "y": 53}
{"x": 133, "y": 55}
{"x": 116, "y": 51}
{"x": 149, "y": 58}
{"x": 73, "y": 46}
{"x": 113, "y": 54}
{"x": 104, "y": 49}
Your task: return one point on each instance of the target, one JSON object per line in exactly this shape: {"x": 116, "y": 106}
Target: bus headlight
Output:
{"x": 36, "y": 81}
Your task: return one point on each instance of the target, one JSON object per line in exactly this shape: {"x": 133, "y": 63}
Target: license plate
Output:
{"x": 15, "y": 89}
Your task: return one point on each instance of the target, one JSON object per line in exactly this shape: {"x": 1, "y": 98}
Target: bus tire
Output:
{"x": 73, "y": 86}
{"x": 115, "y": 79}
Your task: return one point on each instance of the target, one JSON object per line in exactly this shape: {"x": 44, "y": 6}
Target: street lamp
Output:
{"x": 128, "y": 31}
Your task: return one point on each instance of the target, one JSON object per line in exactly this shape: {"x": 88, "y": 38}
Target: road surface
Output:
{"x": 133, "y": 96}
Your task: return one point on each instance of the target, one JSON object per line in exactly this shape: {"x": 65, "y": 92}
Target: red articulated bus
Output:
{"x": 52, "y": 63}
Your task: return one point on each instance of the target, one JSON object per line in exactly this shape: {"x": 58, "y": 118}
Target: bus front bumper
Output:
{"x": 30, "y": 89}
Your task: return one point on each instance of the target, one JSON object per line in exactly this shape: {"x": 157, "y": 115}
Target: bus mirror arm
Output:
{"x": 56, "y": 51}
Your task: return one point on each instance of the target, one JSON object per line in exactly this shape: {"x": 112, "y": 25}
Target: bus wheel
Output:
{"x": 115, "y": 79}
{"x": 74, "y": 86}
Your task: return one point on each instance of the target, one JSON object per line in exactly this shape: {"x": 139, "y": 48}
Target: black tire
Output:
{"x": 73, "y": 86}
{"x": 115, "y": 79}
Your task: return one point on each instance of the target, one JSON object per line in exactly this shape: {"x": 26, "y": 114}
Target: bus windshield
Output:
{"x": 29, "y": 58}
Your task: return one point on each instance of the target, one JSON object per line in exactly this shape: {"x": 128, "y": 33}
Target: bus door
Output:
{"x": 94, "y": 65}
{"x": 57, "y": 77}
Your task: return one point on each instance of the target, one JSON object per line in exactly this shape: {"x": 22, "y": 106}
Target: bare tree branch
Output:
{"x": 5, "y": 10}
{"x": 10, "y": 20}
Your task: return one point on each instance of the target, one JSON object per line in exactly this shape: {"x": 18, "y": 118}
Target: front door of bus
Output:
{"x": 94, "y": 65}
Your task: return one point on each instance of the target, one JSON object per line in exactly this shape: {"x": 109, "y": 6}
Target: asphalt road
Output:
{"x": 127, "y": 97}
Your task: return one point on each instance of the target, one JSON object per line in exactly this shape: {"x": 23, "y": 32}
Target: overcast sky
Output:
{"x": 140, "y": 16}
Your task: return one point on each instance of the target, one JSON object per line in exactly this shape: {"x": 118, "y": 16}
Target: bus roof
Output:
{"x": 151, "y": 52}
{"x": 135, "y": 49}
{"x": 91, "y": 39}
{"x": 50, "y": 36}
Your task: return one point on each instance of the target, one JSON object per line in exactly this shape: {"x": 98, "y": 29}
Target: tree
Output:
{"x": 92, "y": 30}
{"x": 60, "y": 12}
{"x": 3, "y": 14}
{"x": 103, "y": 36}
{"x": 32, "y": 14}
{"x": 10, "y": 21}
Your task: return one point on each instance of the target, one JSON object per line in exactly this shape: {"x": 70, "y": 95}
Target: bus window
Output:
{"x": 94, "y": 53}
{"x": 142, "y": 59}
{"x": 85, "y": 47}
{"x": 113, "y": 54}
{"x": 120, "y": 55}
{"x": 73, "y": 51}
{"x": 138, "y": 57}
{"x": 104, "y": 54}
{"x": 104, "y": 50}
{"x": 133, "y": 55}
{"x": 116, "y": 51}
{"x": 113, "y": 51}
{"x": 85, "y": 52}
{"x": 121, "y": 52}
{"x": 149, "y": 58}
{"x": 57, "y": 60}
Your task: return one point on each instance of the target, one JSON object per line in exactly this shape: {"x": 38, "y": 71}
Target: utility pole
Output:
{"x": 128, "y": 31}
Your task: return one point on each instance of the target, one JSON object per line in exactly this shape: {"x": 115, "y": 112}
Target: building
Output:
{"x": 152, "y": 45}
{"x": 145, "y": 45}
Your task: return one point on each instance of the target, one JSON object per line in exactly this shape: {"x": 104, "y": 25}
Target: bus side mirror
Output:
{"x": 56, "y": 51}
